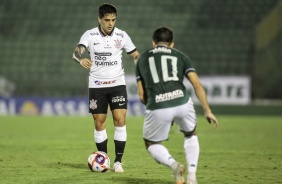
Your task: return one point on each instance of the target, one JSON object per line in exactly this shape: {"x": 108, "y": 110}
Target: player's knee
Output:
{"x": 149, "y": 143}
{"x": 119, "y": 118}
{"x": 119, "y": 122}
{"x": 100, "y": 124}
{"x": 189, "y": 134}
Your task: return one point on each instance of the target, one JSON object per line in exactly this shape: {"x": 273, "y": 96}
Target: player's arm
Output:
{"x": 201, "y": 94}
{"x": 141, "y": 92}
{"x": 135, "y": 55}
{"x": 77, "y": 57}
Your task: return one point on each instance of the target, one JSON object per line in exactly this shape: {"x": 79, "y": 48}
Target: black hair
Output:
{"x": 163, "y": 34}
{"x": 107, "y": 8}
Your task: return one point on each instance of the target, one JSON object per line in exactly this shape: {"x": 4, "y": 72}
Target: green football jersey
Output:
{"x": 162, "y": 70}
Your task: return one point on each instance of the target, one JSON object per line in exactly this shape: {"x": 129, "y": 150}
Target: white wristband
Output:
{"x": 76, "y": 59}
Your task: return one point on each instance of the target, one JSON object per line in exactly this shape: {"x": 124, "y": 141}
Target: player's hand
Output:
{"x": 86, "y": 63}
{"x": 211, "y": 118}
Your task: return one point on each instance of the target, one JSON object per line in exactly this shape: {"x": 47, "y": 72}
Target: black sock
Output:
{"x": 102, "y": 146}
{"x": 119, "y": 149}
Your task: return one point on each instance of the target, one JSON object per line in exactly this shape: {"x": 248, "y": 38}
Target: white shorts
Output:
{"x": 157, "y": 123}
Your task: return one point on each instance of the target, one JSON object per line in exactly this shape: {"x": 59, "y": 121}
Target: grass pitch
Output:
{"x": 43, "y": 150}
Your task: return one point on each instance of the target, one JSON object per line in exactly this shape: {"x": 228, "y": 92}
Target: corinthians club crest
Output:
{"x": 118, "y": 44}
{"x": 93, "y": 104}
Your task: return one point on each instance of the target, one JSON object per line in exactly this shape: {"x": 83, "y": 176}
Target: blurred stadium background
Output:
{"x": 222, "y": 37}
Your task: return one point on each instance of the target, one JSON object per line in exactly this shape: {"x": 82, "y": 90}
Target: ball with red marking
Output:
{"x": 99, "y": 161}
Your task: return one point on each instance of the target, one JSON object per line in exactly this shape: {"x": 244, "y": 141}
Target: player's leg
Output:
{"x": 118, "y": 105}
{"x": 192, "y": 150}
{"x": 120, "y": 137}
{"x": 162, "y": 155}
{"x": 156, "y": 129}
{"x": 120, "y": 134}
{"x": 98, "y": 105}
{"x": 187, "y": 124}
{"x": 100, "y": 133}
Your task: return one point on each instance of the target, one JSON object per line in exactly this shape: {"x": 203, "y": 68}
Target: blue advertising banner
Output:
{"x": 219, "y": 90}
{"x": 49, "y": 106}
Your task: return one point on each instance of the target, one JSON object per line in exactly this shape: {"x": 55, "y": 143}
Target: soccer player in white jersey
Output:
{"x": 160, "y": 72}
{"x": 107, "y": 87}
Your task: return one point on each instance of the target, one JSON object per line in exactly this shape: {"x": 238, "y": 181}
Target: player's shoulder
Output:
{"x": 145, "y": 54}
{"x": 179, "y": 53}
{"x": 175, "y": 50}
{"x": 119, "y": 32}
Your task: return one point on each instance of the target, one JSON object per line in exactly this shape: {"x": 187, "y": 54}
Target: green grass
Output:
{"x": 43, "y": 150}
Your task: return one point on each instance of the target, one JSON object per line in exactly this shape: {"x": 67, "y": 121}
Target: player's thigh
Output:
{"x": 186, "y": 117}
{"x": 98, "y": 100}
{"x": 117, "y": 97}
{"x": 157, "y": 124}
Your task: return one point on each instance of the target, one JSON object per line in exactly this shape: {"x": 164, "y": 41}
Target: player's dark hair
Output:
{"x": 107, "y": 8}
{"x": 163, "y": 34}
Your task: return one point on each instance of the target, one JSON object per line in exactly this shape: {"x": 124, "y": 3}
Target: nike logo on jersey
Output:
{"x": 120, "y": 104}
{"x": 96, "y": 43}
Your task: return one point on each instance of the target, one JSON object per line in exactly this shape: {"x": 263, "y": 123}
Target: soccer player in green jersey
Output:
{"x": 160, "y": 72}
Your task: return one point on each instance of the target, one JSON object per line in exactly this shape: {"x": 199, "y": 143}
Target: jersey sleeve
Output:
{"x": 84, "y": 39}
{"x": 188, "y": 64}
{"x": 129, "y": 47}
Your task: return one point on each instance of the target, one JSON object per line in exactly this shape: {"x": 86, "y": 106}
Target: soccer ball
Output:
{"x": 99, "y": 161}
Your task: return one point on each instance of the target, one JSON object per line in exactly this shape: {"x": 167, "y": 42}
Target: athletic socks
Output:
{"x": 120, "y": 137}
{"x": 191, "y": 147}
{"x": 101, "y": 140}
{"x": 192, "y": 151}
{"x": 119, "y": 149}
{"x": 161, "y": 154}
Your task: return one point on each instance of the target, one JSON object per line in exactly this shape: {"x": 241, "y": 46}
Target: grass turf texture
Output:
{"x": 43, "y": 150}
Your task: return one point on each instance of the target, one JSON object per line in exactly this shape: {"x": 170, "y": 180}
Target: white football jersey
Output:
{"x": 106, "y": 56}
